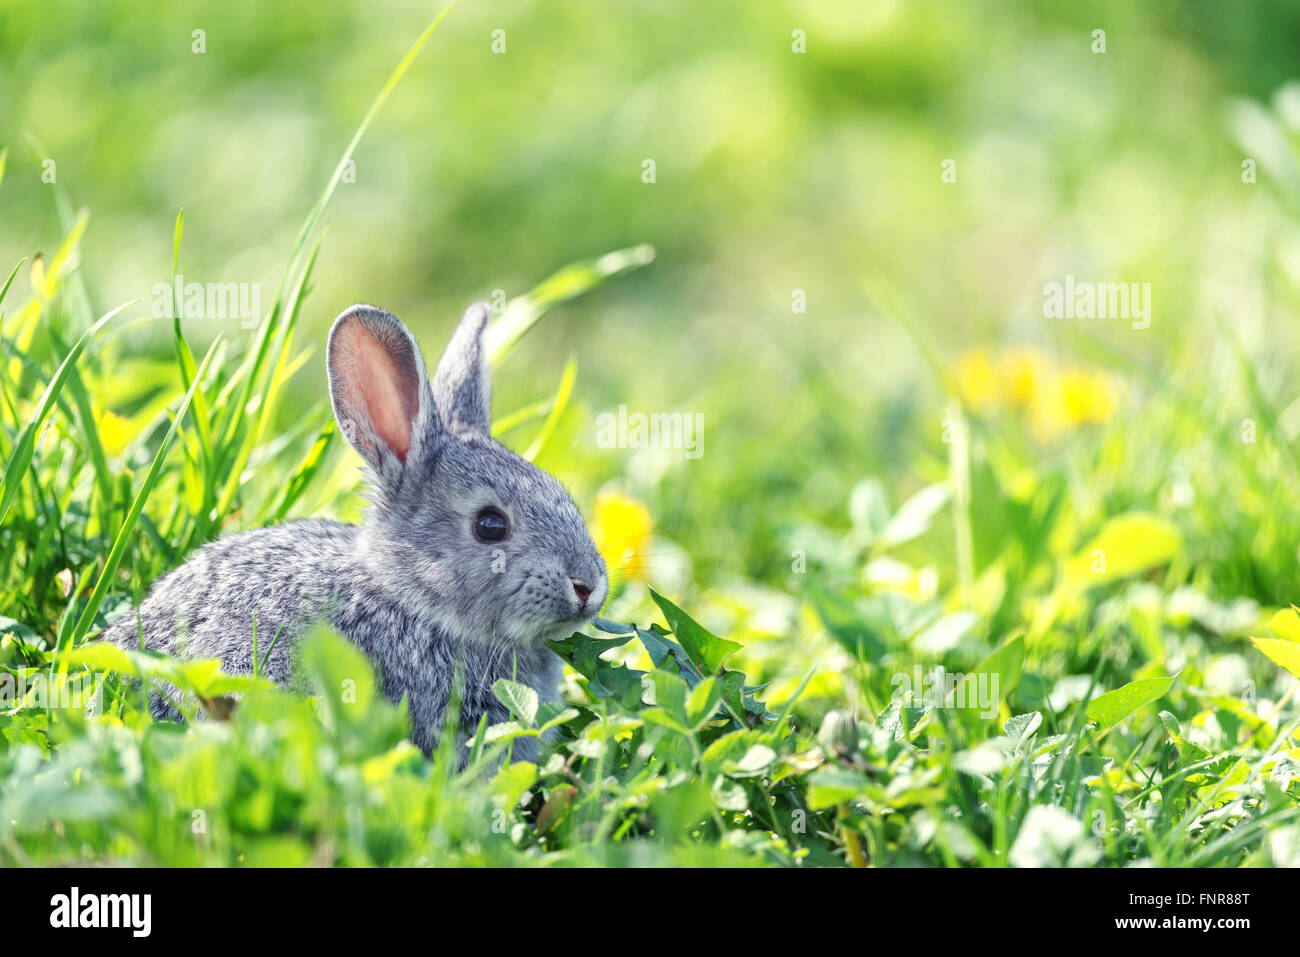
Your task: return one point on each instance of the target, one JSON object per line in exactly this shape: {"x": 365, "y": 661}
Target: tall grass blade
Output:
{"x": 128, "y": 524}
{"x": 21, "y": 457}
{"x": 572, "y": 281}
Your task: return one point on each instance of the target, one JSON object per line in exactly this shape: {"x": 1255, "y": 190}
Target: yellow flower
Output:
{"x": 1023, "y": 372}
{"x": 1086, "y": 396}
{"x": 114, "y": 431}
{"x": 977, "y": 380}
{"x": 1054, "y": 400}
{"x": 1076, "y": 397}
{"x": 621, "y": 527}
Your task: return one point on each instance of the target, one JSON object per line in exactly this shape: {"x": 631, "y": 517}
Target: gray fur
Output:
{"x": 462, "y": 386}
{"x": 411, "y": 586}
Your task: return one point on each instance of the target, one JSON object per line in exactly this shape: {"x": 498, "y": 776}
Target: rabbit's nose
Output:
{"x": 581, "y": 589}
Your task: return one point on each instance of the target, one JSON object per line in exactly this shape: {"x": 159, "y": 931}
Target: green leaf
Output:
{"x": 670, "y": 695}
{"x": 830, "y": 786}
{"x": 1005, "y": 662}
{"x": 1286, "y": 624}
{"x": 583, "y": 651}
{"x": 519, "y": 698}
{"x": 554, "y": 720}
{"x": 869, "y": 508}
{"x": 512, "y": 781}
{"x": 946, "y": 633}
{"x": 1126, "y": 545}
{"x": 619, "y": 682}
{"x": 508, "y": 731}
{"x": 611, "y": 727}
{"x": 729, "y": 749}
{"x": 657, "y": 646}
{"x": 102, "y": 656}
{"x": 753, "y": 762}
{"x": 666, "y": 719}
{"x": 913, "y": 518}
{"x": 847, "y": 625}
{"x": 604, "y": 680}
{"x": 703, "y": 701}
{"x": 306, "y": 470}
{"x": 1281, "y": 652}
{"x": 1021, "y": 726}
{"x": 1172, "y": 728}
{"x": 706, "y": 650}
{"x": 728, "y": 795}
{"x": 1113, "y": 707}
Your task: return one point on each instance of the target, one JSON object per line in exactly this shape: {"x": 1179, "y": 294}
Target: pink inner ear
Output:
{"x": 385, "y": 384}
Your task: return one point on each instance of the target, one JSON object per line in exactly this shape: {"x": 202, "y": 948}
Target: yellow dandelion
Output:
{"x": 1087, "y": 396}
{"x": 1023, "y": 372}
{"x": 1074, "y": 398}
{"x": 977, "y": 379}
{"x": 115, "y": 431}
{"x": 1024, "y": 380}
{"x": 621, "y": 527}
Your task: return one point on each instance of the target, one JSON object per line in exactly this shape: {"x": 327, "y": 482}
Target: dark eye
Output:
{"x": 490, "y": 525}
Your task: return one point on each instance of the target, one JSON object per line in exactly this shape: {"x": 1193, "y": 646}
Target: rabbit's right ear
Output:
{"x": 380, "y": 391}
{"x": 462, "y": 383}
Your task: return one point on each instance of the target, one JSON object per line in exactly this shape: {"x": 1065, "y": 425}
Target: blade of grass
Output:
{"x": 557, "y": 409}
{"x": 90, "y": 430}
{"x": 258, "y": 357}
{"x": 573, "y": 280}
{"x": 21, "y": 458}
{"x": 128, "y": 524}
{"x": 9, "y": 282}
{"x": 185, "y": 359}
{"x": 306, "y": 470}
{"x": 69, "y": 220}
{"x": 270, "y": 387}
{"x": 519, "y": 417}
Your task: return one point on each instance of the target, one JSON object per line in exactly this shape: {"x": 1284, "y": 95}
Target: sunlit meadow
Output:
{"x": 956, "y": 578}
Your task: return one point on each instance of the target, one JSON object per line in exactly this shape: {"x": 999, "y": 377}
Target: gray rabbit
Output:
{"x": 469, "y": 557}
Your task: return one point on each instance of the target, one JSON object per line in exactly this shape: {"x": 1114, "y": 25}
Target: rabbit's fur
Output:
{"x": 412, "y": 586}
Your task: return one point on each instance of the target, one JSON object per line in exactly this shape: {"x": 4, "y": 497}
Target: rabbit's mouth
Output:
{"x": 586, "y": 613}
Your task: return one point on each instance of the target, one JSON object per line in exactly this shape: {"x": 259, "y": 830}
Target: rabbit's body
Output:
{"x": 424, "y": 587}
{"x": 287, "y": 576}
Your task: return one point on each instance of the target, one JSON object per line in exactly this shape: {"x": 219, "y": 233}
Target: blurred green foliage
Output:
{"x": 775, "y": 172}
{"x": 918, "y": 468}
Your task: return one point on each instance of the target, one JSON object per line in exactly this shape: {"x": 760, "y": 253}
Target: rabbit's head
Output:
{"x": 463, "y": 530}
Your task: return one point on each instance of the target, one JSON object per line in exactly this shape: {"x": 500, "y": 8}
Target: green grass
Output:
{"x": 1102, "y": 580}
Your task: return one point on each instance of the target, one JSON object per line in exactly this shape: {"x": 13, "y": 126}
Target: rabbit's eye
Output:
{"x": 490, "y": 525}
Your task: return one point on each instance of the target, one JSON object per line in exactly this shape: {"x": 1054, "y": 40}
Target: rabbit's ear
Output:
{"x": 462, "y": 384}
{"x": 380, "y": 390}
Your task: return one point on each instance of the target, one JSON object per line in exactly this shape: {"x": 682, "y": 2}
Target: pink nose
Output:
{"x": 581, "y": 589}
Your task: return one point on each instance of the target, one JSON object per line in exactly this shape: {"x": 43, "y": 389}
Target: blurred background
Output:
{"x": 776, "y": 173}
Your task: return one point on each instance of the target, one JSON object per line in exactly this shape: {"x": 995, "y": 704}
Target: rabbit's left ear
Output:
{"x": 380, "y": 392}
{"x": 462, "y": 384}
